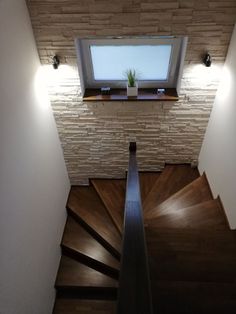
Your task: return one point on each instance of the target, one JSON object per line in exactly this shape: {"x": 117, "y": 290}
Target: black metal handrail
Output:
{"x": 134, "y": 295}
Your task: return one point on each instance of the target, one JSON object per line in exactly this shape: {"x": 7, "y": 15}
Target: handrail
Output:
{"x": 134, "y": 294}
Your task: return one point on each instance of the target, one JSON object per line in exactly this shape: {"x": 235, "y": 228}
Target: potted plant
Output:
{"x": 132, "y": 85}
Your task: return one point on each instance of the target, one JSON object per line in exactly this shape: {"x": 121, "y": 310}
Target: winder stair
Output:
{"x": 191, "y": 249}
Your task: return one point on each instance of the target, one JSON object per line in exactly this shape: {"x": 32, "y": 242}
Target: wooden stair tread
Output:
{"x": 79, "y": 240}
{"x": 76, "y": 306}
{"x": 172, "y": 179}
{"x": 208, "y": 214}
{"x": 193, "y": 297}
{"x": 73, "y": 273}
{"x": 196, "y": 192}
{"x": 86, "y": 204}
{"x": 112, "y": 193}
{"x": 147, "y": 180}
{"x": 190, "y": 255}
{"x": 191, "y": 239}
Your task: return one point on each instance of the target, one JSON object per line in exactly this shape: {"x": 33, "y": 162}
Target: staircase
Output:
{"x": 191, "y": 250}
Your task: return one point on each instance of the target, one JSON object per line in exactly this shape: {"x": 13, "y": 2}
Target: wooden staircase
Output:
{"x": 191, "y": 249}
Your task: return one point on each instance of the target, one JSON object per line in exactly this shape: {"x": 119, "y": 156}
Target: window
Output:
{"x": 109, "y": 63}
{"x": 156, "y": 60}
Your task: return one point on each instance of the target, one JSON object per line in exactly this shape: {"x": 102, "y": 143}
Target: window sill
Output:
{"x": 144, "y": 94}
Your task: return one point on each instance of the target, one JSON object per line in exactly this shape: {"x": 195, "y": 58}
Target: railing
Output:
{"x": 134, "y": 295}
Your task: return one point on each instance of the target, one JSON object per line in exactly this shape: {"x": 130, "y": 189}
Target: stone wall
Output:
{"x": 95, "y": 136}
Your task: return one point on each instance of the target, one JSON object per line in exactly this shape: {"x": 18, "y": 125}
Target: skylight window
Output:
{"x": 151, "y": 62}
{"x": 156, "y": 60}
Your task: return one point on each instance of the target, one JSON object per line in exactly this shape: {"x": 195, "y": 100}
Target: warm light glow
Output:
{"x": 226, "y": 82}
{"x": 41, "y": 90}
{"x": 48, "y": 77}
{"x": 207, "y": 75}
{"x": 60, "y": 76}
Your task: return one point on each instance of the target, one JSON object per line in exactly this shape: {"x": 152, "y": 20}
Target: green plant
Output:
{"x": 131, "y": 77}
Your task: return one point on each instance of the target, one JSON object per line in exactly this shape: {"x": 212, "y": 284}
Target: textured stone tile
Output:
{"x": 95, "y": 136}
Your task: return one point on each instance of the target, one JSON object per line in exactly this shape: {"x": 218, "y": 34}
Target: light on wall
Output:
{"x": 207, "y": 60}
{"x": 55, "y": 62}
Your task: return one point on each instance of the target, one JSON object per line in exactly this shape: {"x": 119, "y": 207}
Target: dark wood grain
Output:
{"x": 76, "y": 280}
{"x": 191, "y": 249}
{"x": 112, "y": 193}
{"x": 172, "y": 179}
{"x": 86, "y": 207}
{"x": 73, "y": 273}
{"x": 179, "y": 297}
{"x": 65, "y": 306}
{"x": 147, "y": 180}
{"x": 205, "y": 215}
{"x": 192, "y": 255}
{"x": 79, "y": 244}
{"x": 134, "y": 294}
{"x": 194, "y": 193}
{"x": 147, "y": 94}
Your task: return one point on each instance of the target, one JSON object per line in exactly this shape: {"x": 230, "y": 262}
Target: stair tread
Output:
{"x": 192, "y": 255}
{"x": 85, "y": 202}
{"x": 147, "y": 180}
{"x": 78, "y": 239}
{"x": 112, "y": 193}
{"x": 172, "y": 179}
{"x": 196, "y": 192}
{"x": 75, "y": 306}
{"x": 176, "y": 238}
{"x": 208, "y": 214}
{"x": 73, "y": 273}
{"x": 193, "y": 297}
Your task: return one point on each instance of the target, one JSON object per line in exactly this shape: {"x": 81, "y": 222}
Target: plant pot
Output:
{"x": 132, "y": 91}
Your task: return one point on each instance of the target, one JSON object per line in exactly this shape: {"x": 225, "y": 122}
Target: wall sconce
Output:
{"x": 207, "y": 60}
{"x": 55, "y": 62}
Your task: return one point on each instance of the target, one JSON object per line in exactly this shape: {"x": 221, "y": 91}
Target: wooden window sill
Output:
{"x": 144, "y": 94}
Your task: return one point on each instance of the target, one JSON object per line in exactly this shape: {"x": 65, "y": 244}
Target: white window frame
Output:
{"x": 86, "y": 67}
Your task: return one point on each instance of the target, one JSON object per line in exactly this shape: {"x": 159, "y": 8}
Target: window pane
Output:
{"x": 151, "y": 62}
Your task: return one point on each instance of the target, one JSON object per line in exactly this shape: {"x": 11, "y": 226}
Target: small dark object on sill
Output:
{"x": 161, "y": 91}
{"x": 105, "y": 90}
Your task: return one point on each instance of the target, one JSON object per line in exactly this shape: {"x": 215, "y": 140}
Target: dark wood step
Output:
{"x": 76, "y": 280}
{"x": 172, "y": 179}
{"x": 196, "y": 192}
{"x": 86, "y": 207}
{"x": 147, "y": 181}
{"x": 171, "y": 297}
{"x": 209, "y": 214}
{"x": 192, "y": 240}
{"x": 80, "y": 245}
{"x": 112, "y": 193}
{"x": 192, "y": 255}
{"x": 76, "y": 306}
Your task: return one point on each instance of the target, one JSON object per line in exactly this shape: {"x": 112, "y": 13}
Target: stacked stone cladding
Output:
{"x": 95, "y": 135}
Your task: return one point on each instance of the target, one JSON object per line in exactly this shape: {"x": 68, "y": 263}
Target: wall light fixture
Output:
{"x": 207, "y": 60}
{"x": 55, "y": 62}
